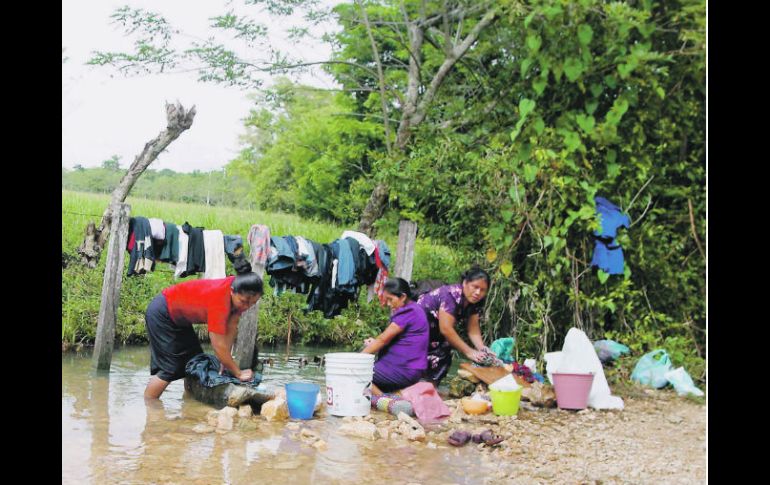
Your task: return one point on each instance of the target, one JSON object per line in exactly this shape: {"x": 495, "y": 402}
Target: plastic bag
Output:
{"x": 650, "y": 371}
{"x": 609, "y": 350}
{"x": 578, "y": 356}
{"x": 503, "y": 348}
{"x": 682, "y": 382}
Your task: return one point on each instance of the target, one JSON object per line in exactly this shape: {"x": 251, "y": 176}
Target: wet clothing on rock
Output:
{"x": 205, "y": 368}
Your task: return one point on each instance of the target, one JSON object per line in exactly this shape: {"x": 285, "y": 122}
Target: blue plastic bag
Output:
{"x": 609, "y": 350}
{"x": 650, "y": 371}
{"x": 682, "y": 382}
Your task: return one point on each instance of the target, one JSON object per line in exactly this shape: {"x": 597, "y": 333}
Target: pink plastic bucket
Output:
{"x": 572, "y": 390}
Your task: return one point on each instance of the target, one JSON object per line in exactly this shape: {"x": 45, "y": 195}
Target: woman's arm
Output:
{"x": 474, "y": 331}
{"x": 383, "y": 339}
{"x": 446, "y": 325}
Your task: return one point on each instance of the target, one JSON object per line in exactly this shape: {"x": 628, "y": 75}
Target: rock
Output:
{"x": 459, "y": 387}
{"x": 275, "y": 410}
{"x": 384, "y": 432}
{"x": 247, "y": 424}
{"x": 675, "y": 419}
{"x": 225, "y": 418}
{"x": 411, "y": 428}
{"x": 541, "y": 395}
{"x": 468, "y": 376}
{"x": 309, "y": 434}
{"x": 244, "y": 411}
{"x": 457, "y": 415}
{"x": 432, "y": 446}
{"x": 361, "y": 429}
{"x": 203, "y": 428}
{"x": 292, "y": 426}
{"x": 211, "y": 418}
{"x": 320, "y": 445}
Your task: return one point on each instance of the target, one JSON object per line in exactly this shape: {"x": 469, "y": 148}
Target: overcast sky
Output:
{"x": 105, "y": 113}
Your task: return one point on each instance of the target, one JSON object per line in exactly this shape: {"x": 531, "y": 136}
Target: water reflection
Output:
{"x": 111, "y": 435}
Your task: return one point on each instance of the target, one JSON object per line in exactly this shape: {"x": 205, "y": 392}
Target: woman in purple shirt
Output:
{"x": 445, "y": 307}
{"x": 402, "y": 349}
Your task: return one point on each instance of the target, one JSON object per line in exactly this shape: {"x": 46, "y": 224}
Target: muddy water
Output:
{"x": 109, "y": 435}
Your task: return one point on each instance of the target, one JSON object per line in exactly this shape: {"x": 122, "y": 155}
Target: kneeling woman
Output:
{"x": 217, "y": 302}
{"x": 402, "y": 349}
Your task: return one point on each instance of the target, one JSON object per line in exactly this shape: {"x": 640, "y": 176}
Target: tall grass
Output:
{"x": 81, "y": 287}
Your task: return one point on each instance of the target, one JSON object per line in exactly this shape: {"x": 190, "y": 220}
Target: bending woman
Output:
{"x": 445, "y": 307}
{"x": 402, "y": 349}
{"x": 217, "y": 302}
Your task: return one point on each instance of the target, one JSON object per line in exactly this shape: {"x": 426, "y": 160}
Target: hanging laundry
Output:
{"x": 378, "y": 287}
{"x": 608, "y": 255}
{"x": 157, "y": 229}
{"x": 259, "y": 244}
{"x": 307, "y": 252}
{"x": 214, "y": 248}
{"x": 196, "y": 252}
{"x": 142, "y": 258}
{"x": 362, "y": 239}
{"x": 181, "y": 265}
{"x": 170, "y": 251}
{"x": 233, "y": 247}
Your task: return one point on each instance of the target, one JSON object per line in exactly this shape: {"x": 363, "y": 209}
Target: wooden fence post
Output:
{"x": 113, "y": 278}
{"x": 407, "y": 234}
{"x": 246, "y": 353}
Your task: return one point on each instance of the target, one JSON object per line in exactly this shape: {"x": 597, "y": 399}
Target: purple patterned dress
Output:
{"x": 450, "y": 298}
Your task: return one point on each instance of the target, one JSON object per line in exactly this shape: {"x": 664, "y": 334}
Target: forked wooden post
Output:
{"x": 407, "y": 234}
{"x": 113, "y": 278}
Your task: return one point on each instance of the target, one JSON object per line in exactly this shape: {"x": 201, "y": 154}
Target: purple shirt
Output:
{"x": 409, "y": 349}
{"x": 449, "y": 298}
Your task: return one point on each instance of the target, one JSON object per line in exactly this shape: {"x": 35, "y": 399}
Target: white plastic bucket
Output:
{"x": 348, "y": 383}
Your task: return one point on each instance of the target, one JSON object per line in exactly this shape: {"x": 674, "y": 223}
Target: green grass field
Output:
{"x": 81, "y": 287}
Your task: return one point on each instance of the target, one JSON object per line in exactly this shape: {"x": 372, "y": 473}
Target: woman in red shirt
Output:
{"x": 169, "y": 318}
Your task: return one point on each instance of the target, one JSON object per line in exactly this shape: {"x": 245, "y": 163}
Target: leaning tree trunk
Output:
{"x": 179, "y": 120}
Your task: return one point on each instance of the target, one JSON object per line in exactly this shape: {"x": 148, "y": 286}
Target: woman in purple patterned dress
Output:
{"x": 402, "y": 349}
{"x": 445, "y": 307}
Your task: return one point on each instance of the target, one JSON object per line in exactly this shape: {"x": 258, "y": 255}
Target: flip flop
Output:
{"x": 459, "y": 438}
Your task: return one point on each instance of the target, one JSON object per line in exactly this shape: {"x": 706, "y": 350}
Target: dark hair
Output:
{"x": 398, "y": 287}
{"x": 476, "y": 273}
{"x": 246, "y": 281}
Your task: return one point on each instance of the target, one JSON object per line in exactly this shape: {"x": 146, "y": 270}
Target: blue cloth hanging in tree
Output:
{"x": 608, "y": 255}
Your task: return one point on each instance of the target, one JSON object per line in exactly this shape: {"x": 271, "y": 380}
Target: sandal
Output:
{"x": 459, "y": 438}
{"x": 490, "y": 438}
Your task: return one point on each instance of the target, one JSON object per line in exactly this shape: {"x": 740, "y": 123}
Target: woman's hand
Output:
{"x": 246, "y": 375}
{"x": 368, "y": 342}
{"x": 475, "y": 355}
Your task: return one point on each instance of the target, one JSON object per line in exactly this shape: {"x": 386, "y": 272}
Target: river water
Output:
{"x": 109, "y": 435}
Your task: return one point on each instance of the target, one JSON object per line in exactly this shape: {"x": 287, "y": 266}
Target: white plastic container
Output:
{"x": 348, "y": 383}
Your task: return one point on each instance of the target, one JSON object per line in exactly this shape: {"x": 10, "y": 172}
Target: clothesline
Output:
{"x": 81, "y": 214}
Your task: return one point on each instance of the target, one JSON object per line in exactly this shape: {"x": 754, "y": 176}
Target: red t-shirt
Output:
{"x": 201, "y": 301}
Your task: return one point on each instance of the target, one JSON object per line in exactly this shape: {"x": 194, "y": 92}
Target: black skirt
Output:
{"x": 171, "y": 346}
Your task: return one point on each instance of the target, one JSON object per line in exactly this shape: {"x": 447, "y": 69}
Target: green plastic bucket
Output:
{"x": 505, "y": 403}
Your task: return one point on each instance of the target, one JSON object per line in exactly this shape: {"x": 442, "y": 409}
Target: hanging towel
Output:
{"x": 181, "y": 264}
{"x": 362, "y": 239}
{"x": 157, "y": 229}
{"x": 214, "y": 246}
{"x": 170, "y": 251}
{"x": 259, "y": 244}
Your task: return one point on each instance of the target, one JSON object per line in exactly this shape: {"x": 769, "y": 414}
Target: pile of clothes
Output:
{"x": 330, "y": 274}
{"x": 189, "y": 249}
